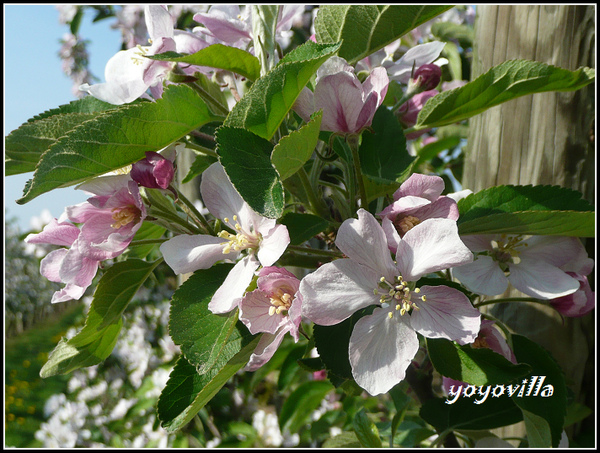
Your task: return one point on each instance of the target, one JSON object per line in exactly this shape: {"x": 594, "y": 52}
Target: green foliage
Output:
{"x": 365, "y": 29}
{"x": 98, "y": 337}
{"x": 502, "y": 83}
{"x": 538, "y": 210}
{"x": 117, "y": 138}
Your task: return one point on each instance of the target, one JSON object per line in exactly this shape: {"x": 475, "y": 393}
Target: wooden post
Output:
{"x": 545, "y": 138}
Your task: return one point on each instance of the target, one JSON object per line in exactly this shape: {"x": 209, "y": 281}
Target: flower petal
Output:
{"x": 380, "y": 351}
{"x": 482, "y": 276}
{"x": 55, "y": 233}
{"x": 254, "y": 313}
{"x": 446, "y": 313}
{"x": 188, "y": 253}
{"x": 364, "y": 241}
{"x": 431, "y": 246}
{"x": 273, "y": 245}
{"x": 539, "y": 279}
{"x": 336, "y": 290}
{"x": 219, "y": 195}
{"x": 429, "y": 187}
{"x": 229, "y": 294}
{"x": 266, "y": 347}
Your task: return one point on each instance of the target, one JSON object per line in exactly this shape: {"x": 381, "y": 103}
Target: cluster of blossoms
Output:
{"x": 384, "y": 259}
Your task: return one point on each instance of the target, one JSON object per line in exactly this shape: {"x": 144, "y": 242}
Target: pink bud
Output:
{"x": 427, "y": 77}
{"x": 409, "y": 111}
{"x": 154, "y": 171}
{"x": 578, "y": 303}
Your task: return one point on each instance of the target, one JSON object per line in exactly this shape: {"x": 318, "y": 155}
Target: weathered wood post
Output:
{"x": 541, "y": 139}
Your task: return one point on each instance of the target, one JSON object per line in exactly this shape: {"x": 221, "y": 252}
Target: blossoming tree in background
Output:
{"x": 328, "y": 216}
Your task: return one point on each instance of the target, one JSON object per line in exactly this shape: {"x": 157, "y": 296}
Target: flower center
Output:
{"x": 506, "y": 250}
{"x": 142, "y": 52}
{"x": 404, "y": 224}
{"x": 398, "y": 294}
{"x": 480, "y": 342}
{"x": 125, "y": 216}
{"x": 281, "y": 302}
{"x": 240, "y": 241}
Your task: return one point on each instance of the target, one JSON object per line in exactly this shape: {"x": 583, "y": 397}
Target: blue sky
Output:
{"x": 34, "y": 82}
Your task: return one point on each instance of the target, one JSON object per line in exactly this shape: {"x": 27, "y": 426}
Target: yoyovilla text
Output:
{"x": 527, "y": 388}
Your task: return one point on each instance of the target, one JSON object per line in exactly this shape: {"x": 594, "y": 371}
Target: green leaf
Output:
{"x": 383, "y": 153}
{"x": 366, "y": 431}
{"x": 343, "y": 440}
{"x": 96, "y": 340}
{"x": 536, "y": 210}
{"x": 294, "y": 150}
{"x": 538, "y": 431}
{"x": 187, "y": 392}
{"x": 477, "y": 366}
{"x": 24, "y": 146}
{"x": 297, "y": 408}
{"x": 552, "y": 408}
{"x": 332, "y": 344}
{"x": 265, "y": 105}
{"x": 246, "y": 158}
{"x": 502, "y": 83}
{"x": 218, "y": 56}
{"x": 365, "y": 29}
{"x": 205, "y": 338}
{"x": 464, "y": 414}
{"x": 147, "y": 231}
{"x": 118, "y": 138}
{"x": 303, "y": 227}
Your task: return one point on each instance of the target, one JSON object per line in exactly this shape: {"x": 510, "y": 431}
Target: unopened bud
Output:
{"x": 427, "y": 77}
{"x": 154, "y": 171}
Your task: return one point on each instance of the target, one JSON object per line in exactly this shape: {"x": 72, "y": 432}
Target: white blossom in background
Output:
{"x": 267, "y": 427}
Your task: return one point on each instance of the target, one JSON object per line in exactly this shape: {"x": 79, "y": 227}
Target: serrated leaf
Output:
{"x": 365, "y": 430}
{"x": 383, "y": 153}
{"x": 206, "y": 339}
{"x": 536, "y": 210}
{"x": 538, "y": 431}
{"x": 118, "y": 138}
{"x": 187, "y": 392}
{"x": 365, "y": 29}
{"x": 464, "y": 414}
{"x": 24, "y": 146}
{"x": 265, "y": 105}
{"x": 477, "y": 366}
{"x": 96, "y": 340}
{"x": 551, "y": 408}
{"x": 502, "y": 83}
{"x": 246, "y": 158}
{"x": 218, "y": 56}
{"x": 303, "y": 227}
{"x": 297, "y": 408}
{"x": 294, "y": 150}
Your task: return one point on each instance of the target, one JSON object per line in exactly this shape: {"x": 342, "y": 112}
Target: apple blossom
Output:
{"x": 129, "y": 74}
{"x": 532, "y": 264}
{"x": 110, "y": 218}
{"x": 383, "y": 343}
{"x": 273, "y": 308}
{"x": 348, "y": 106}
{"x": 262, "y": 238}
{"x": 415, "y": 57}
{"x": 64, "y": 265}
{"x": 418, "y": 198}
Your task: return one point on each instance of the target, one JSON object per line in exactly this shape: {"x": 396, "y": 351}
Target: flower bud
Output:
{"x": 409, "y": 111}
{"x": 427, "y": 77}
{"x": 154, "y": 171}
{"x": 578, "y": 303}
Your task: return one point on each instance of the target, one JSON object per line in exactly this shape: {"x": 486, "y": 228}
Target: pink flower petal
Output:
{"x": 336, "y": 290}
{"x": 188, "y": 253}
{"x": 254, "y": 313}
{"x": 431, "y": 246}
{"x": 540, "y": 279}
{"x": 380, "y": 351}
{"x": 429, "y": 187}
{"x": 446, "y": 313}
{"x": 55, "y": 233}
{"x": 273, "y": 245}
{"x": 482, "y": 276}
{"x": 266, "y": 347}
{"x": 228, "y": 296}
{"x": 364, "y": 241}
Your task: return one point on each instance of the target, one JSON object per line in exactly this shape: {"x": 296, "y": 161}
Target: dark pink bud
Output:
{"x": 154, "y": 171}
{"x": 427, "y": 77}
